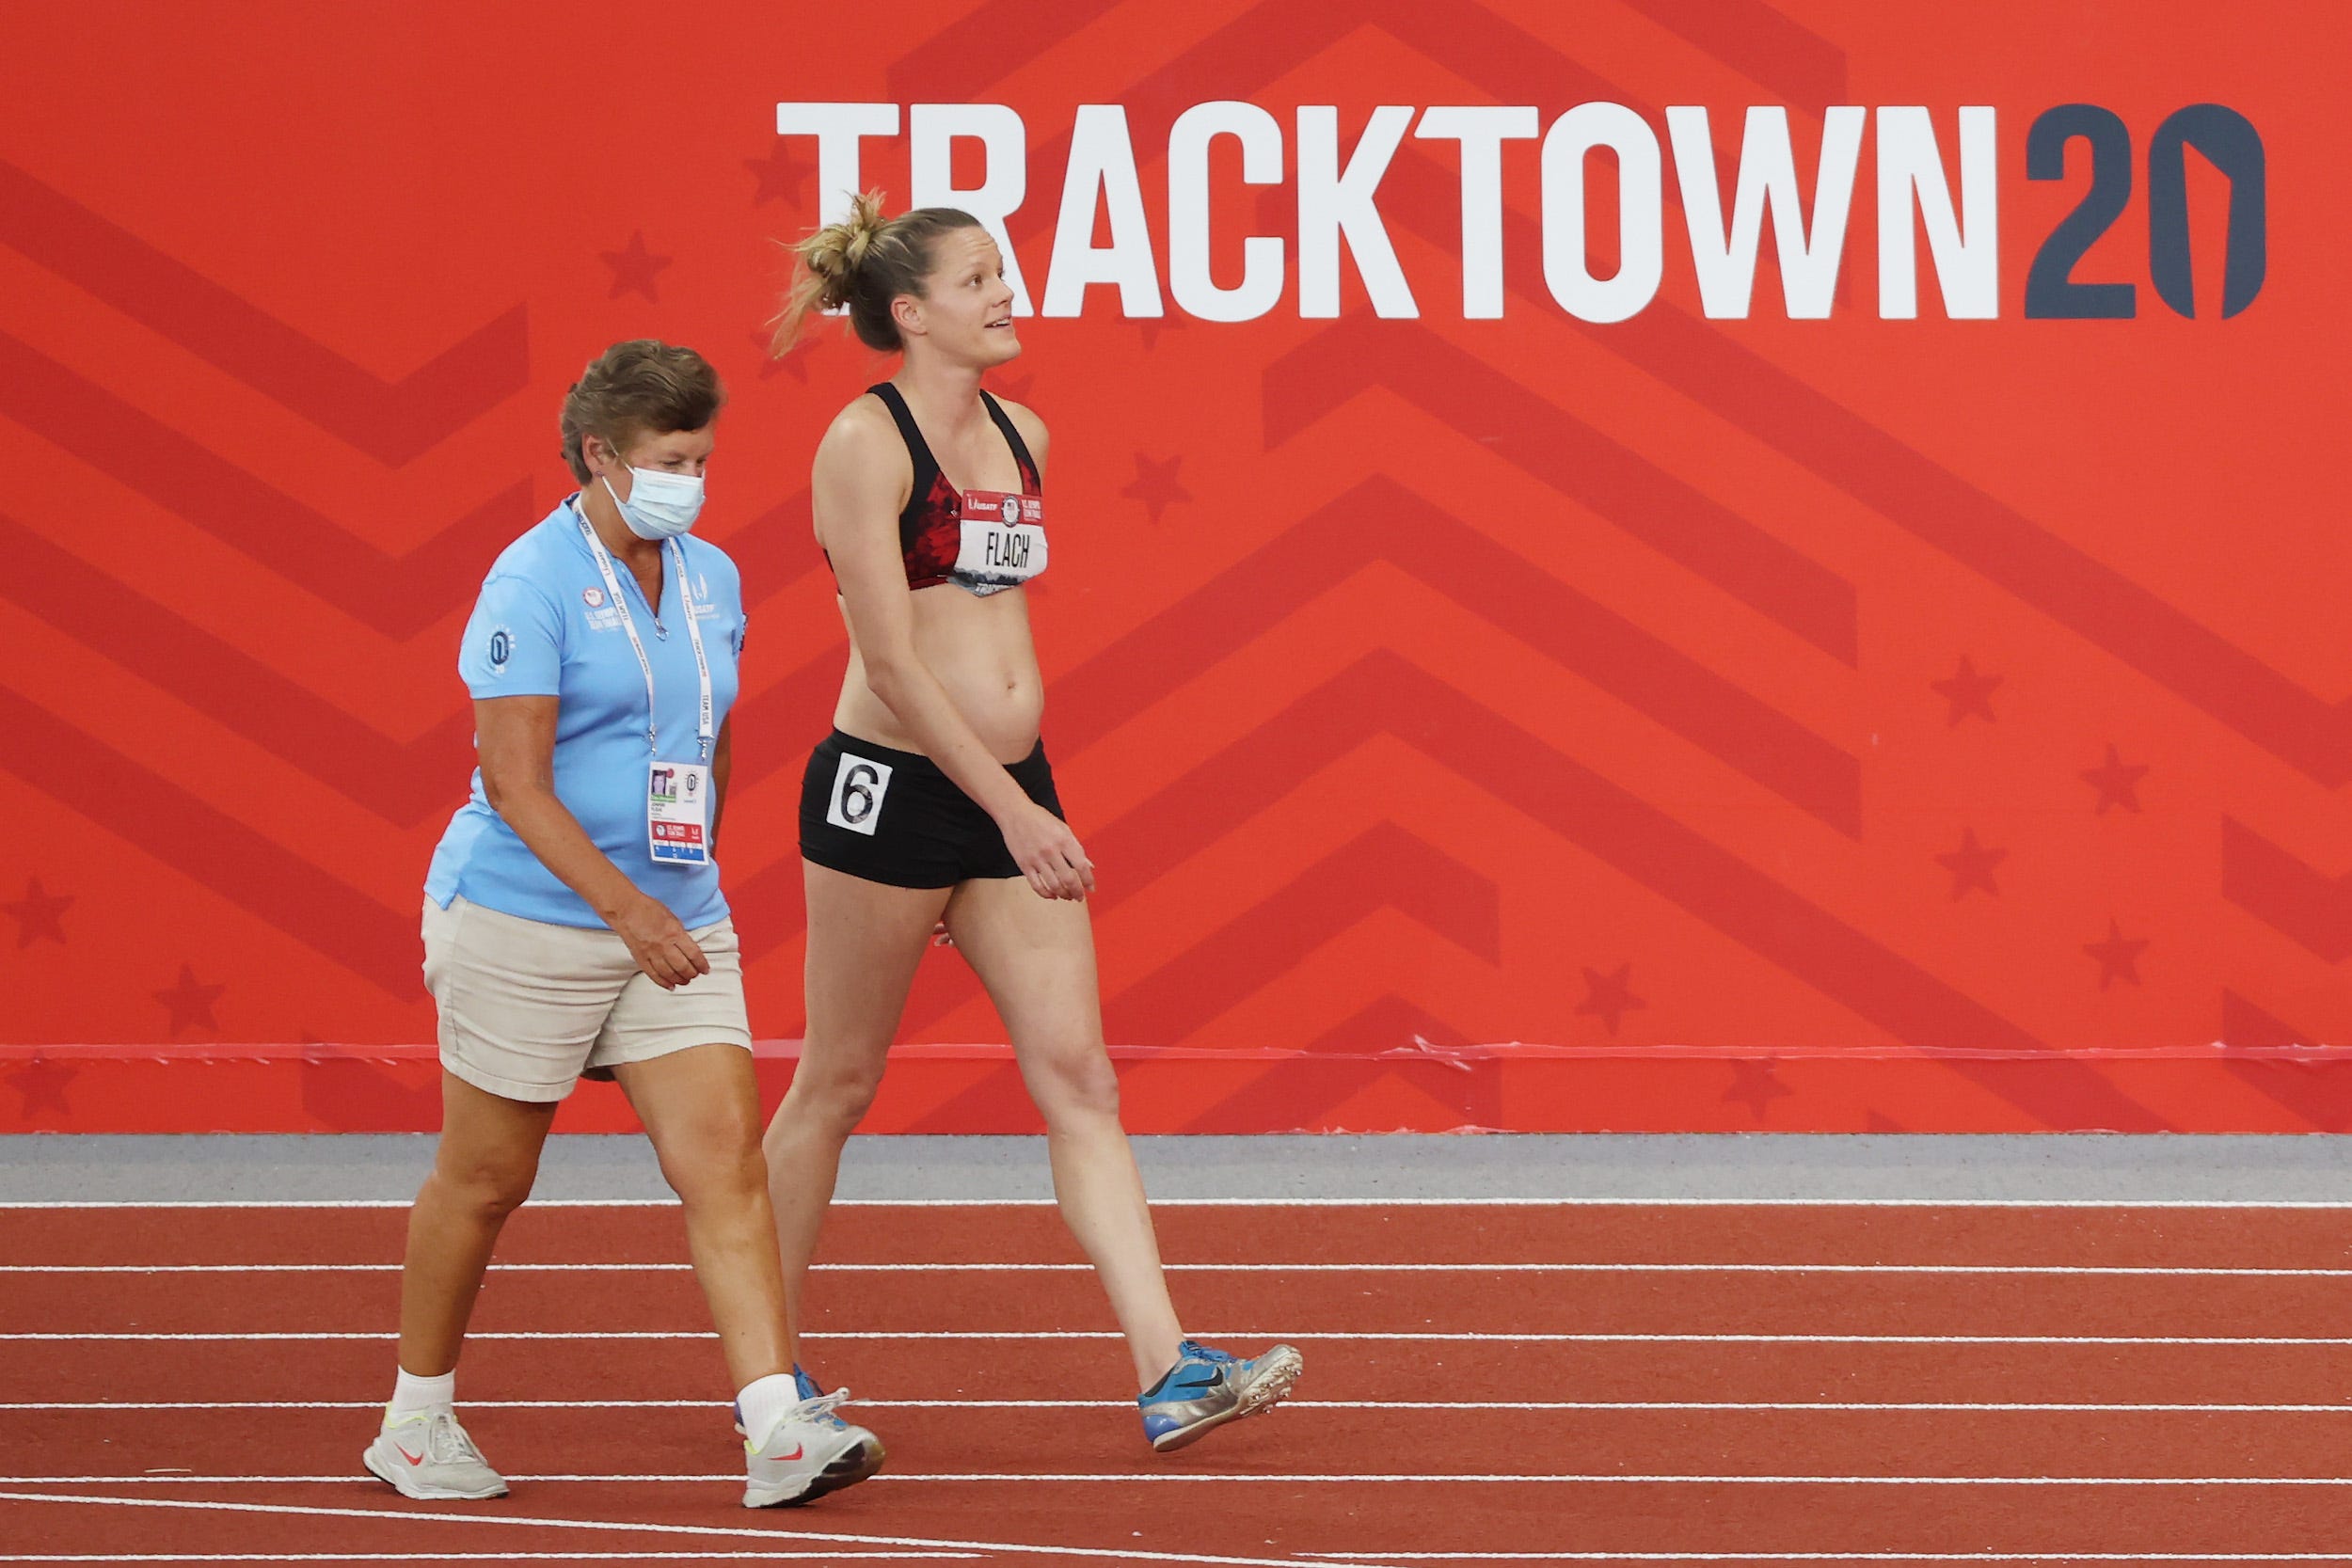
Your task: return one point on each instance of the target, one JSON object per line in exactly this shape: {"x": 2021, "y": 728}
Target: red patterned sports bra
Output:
{"x": 982, "y": 541}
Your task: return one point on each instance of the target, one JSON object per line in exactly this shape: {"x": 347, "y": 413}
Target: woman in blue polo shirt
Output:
{"x": 574, "y": 923}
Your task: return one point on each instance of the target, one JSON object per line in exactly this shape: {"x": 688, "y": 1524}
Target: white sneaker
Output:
{"x": 428, "y": 1456}
{"x": 807, "y": 1453}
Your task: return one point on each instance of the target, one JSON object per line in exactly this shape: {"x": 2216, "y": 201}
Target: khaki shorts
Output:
{"x": 527, "y": 1007}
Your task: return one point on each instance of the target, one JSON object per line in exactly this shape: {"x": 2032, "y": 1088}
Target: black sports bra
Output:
{"x": 982, "y": 541}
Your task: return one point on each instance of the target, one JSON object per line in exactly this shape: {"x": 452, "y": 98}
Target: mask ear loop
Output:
{"x": 613, "y": 457}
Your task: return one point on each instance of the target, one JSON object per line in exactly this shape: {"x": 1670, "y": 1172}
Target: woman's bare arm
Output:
{"x": 856, "y": 490}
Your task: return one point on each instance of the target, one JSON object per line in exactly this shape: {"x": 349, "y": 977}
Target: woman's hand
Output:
{"x": 1048, "y": 853}
{"x": 659, "y": 943}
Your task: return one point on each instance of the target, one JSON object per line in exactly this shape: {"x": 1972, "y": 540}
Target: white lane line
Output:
{"x": 1121, "y": 1554}
{"x": 832, "y": 1554}
{"x": 1851, "y": 1557}
{"x": 1189, "y": 1478}
{"x": 1774, "y": 1405}
{"x": 2152, "y": 1271}
{"x": 837, "y": 1554}
{"x": 1410, "y": 1337}
{"x": 1315, "y": 1557}
{"x": 2028, "y": 1203}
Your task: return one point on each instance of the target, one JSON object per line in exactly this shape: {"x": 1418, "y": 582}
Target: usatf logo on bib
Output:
{"x": 858, "y": 789}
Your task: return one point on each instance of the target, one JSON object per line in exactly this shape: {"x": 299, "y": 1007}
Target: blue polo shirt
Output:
{"x": 545, "y": 627}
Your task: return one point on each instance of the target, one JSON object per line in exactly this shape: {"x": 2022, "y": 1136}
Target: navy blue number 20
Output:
{"x": 2222, "y": 135}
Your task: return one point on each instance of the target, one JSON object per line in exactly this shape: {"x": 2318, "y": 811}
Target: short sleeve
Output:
{"x": 513, "y": 644}
{"x": 721, "y": 586}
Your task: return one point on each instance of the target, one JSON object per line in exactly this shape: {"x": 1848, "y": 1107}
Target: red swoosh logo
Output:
{"x": 411, "y": 1457}
{"x": 798, "y": 1448}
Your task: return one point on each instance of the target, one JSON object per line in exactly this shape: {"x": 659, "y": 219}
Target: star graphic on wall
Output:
{"x": 634, "y": 269}
{"x": 795, "y": 358}
{"x": 1015, "y": 389}
{"x": 190, "y": 1004}
{"x": 38, "y": 914}
{"x": 1157, "y": 484}
{"x": 1967, "y": 691}
{"x": 1755, "y": 1085}
{"x": 2117, "y": 782}
{"x": 1972, "y": 865}
{"x": 1610, "y": 997}
{"x": 2119, "y": 955}
{"x": 43, "y": 1085}
{"x": 778, "y": 174}
{"x": 1152, "y": 326}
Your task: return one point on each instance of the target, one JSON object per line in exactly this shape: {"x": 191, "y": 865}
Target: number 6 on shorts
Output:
{"x": 858, "y": 787}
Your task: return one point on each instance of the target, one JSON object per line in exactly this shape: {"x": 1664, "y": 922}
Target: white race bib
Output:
{"x": 1003, "y": 540}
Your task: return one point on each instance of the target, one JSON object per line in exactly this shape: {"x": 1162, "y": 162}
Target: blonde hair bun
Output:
{"x": 864, "y": 263}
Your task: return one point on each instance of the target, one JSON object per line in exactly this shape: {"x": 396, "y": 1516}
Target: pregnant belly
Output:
{"x": 1005, "y": 709}
{"x": 980, "y": 653}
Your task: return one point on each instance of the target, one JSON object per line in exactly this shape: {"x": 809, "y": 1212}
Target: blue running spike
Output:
{"x": 1208, "y": 1387}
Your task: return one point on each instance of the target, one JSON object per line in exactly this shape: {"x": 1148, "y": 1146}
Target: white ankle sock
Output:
{"x": 764, "y": 1402}
{"x": 412, "y": 1394}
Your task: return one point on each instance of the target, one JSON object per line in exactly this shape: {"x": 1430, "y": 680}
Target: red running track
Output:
{"x": 1640, "y": 1383}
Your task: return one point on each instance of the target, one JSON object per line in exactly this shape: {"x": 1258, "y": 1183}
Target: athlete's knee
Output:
{"x": 1079, "y": 1083}
{"x": 833, "y": 1097}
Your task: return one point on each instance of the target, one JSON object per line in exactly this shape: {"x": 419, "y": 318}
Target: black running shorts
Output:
{"x": 892, "y": 817}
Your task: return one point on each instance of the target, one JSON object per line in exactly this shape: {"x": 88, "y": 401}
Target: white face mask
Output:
{"x": 660, "y": 505}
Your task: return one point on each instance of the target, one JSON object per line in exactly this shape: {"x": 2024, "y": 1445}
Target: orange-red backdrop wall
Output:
{"x": 1759, "y": 722}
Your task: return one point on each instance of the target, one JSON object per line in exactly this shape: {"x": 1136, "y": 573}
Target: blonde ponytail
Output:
{"x": 864, "y": 262}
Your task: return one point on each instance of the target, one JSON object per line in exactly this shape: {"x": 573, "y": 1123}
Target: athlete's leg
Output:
{"x": 482, "y": 1168}
{"x": 865, "y": 940}
{"x": 1036, "y": 957}
{"x": 701, "y": 1109}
